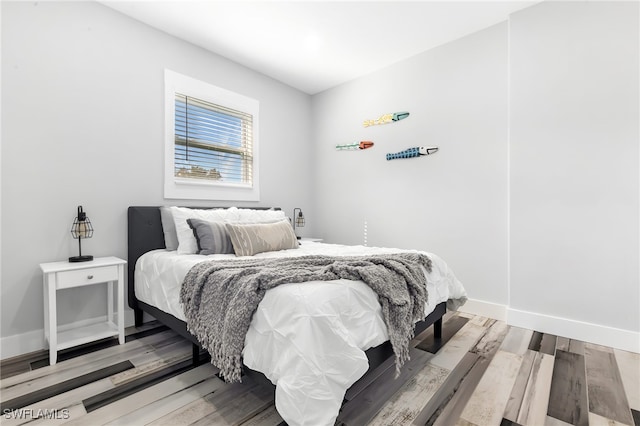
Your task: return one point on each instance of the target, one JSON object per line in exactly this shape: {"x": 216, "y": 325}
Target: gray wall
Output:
{"x": 453, "y": 203}
{"x": 82, "y": 124}
{"x": 533, "y": 197}
{"x": 574, "y": 162}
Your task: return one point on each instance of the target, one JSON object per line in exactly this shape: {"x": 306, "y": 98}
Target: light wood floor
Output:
{"x": 482, "y": 372}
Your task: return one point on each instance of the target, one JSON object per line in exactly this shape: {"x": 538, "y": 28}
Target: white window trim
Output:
{"x": 193, "y": 189}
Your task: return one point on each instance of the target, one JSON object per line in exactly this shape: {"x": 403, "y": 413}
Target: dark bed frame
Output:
{"x": 145, "y": 234}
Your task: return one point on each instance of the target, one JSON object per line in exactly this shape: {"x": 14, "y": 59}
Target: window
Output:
{"x": 211, "y": 142}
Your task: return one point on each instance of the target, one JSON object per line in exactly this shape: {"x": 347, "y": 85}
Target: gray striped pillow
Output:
{"x": 212, "y": 237}
{"x": 250, "y": 239}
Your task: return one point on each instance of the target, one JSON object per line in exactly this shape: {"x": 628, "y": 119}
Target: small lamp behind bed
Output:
{"x": 298, "y": 220}
{"x": 80, "y": 229}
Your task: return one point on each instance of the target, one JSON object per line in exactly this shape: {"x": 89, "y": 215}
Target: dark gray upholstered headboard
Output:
{"x": 144, "y": 233}
{"x": 144, "y": 228}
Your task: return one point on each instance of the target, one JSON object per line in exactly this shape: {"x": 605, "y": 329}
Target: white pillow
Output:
{"x": 187, "y": 243}
{"x": 248, "y": 215}
{"x": 258, "y": 216}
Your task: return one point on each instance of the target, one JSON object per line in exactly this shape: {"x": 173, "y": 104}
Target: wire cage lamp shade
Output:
{"x": 298, "y": 219}
{"x": 81, "y": 228}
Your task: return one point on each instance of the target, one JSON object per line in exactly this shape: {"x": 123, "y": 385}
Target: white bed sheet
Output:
{"x": 309, "y": 340}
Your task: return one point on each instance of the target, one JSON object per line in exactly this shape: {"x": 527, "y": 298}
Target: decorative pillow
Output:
{"x": 187, "y": 243}
{"x": 212, "y": 237}
{"x": 250, "y": 239}
{"x": 169, "y": 229}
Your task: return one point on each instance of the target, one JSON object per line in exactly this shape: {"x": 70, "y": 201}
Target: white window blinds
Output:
{"x": 212, "y": 142}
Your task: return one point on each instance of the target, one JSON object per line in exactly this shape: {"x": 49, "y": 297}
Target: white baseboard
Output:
{"x": 587, "y": 332}
{"x": 32, "y": 341}
{"x": 20, "y": 344}
{"x": 485, "y": 309}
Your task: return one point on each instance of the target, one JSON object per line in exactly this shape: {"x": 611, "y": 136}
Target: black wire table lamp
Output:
{"x": 80, "y": 229}
{"x": 298, "y": 220}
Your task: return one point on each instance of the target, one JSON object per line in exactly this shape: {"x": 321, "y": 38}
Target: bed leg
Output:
{"x": 437, "y": 329}
{"x": 195, "y": 354}
{"x": 137, "y": 317}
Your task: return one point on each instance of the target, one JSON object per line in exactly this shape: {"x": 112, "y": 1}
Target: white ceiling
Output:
{"x": 316, "y": 45}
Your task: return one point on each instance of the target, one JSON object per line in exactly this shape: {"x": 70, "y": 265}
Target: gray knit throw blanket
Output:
{"x": 220, "y": 297}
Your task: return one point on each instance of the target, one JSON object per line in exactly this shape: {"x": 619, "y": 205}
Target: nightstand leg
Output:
{"x": 110, "y": 317}
{"x": 53, "y": 321}
{"x": 120, "y": 306}
{"x": 45, "y": 294}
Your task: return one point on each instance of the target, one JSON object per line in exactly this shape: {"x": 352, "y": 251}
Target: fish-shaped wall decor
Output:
{"x": 413, "y": 152}
{"x": 387, "y": 118}
{"x": 354, "y": 146}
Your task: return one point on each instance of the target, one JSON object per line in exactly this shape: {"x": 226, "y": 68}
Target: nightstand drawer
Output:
{"x": 86, "y": 276}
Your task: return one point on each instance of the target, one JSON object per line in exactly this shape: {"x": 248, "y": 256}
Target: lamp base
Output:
{"x": 81, "y": 258}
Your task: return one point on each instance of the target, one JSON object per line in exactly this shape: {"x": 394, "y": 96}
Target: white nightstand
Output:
{"x": 310, "y": 239}
{"x": 61, "y": 275}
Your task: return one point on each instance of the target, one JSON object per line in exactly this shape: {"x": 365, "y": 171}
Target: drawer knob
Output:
{"x": 89, "y": 277}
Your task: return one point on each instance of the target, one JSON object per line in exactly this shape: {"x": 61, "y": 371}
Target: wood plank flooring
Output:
{"x": 482, "y": 372}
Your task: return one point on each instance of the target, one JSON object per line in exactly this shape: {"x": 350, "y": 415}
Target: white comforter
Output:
{"x": 309, "y": 340}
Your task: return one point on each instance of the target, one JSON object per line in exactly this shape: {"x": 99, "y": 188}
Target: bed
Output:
{"x": 286, "y": 341}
